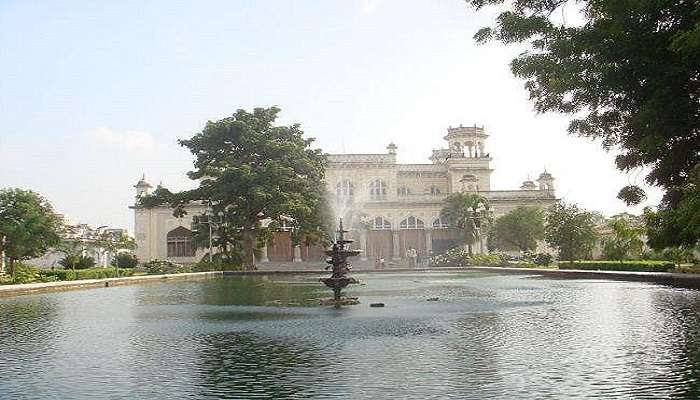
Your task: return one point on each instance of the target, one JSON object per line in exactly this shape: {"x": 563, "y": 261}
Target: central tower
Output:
{"x": 466, "y": 158}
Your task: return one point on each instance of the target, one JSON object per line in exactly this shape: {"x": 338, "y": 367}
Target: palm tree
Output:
{"x": 467, "y": 212}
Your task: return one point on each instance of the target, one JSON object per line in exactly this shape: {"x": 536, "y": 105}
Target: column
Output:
{"x": 363, "y": 244}
{"x": 263, "y": 254}
{"x": 297, "y": 254}
{"x": 397, "y": 245}
{"x": 428, "y": 241}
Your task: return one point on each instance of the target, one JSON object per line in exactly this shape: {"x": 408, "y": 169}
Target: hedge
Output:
{"x": 79, "y": 274}
{"x": 634, "y": 266}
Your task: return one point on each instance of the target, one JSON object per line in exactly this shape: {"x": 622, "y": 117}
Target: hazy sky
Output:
{"x": 95, "y": 93}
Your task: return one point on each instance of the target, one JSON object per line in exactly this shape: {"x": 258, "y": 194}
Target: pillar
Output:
{"x": 263, "y": 254}
{"x": 428, "y": 242}
{"x": 397, "y": 245}
{"x": 297, "y": 254}
{"x": 363, "y": 245}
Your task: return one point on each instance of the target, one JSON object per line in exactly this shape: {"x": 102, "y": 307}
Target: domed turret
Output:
{"x": 142, "y": 187}
{"x": 528, "y": 185}
{"x": 546, "y": 181}
{"x": 391, "y": 148}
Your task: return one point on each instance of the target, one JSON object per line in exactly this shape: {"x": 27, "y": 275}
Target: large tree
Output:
{"x": 571, "y": 231}
{"x": 29, "y": 227}
{"x": 628, "y": 71}
{"x": 521, "y": 228}
{"x": 469, "y": 213}
{"x": 624, "y": 240}
{"x": 250, "y": 170}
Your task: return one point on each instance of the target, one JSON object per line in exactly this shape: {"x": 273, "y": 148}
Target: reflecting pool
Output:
{"x": 487, "y": 336}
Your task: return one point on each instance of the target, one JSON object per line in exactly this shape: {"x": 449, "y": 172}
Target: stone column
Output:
{"x": 428, "y": 242}
{"x": 263, "y": 254}
{"x": 363, "y": 244}
{"x": 397, "y": 245}
{"x": 297, "y": 253}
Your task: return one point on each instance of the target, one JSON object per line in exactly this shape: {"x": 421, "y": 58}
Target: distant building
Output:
{"x": 85, "y": 238}
{"x": 389, "y": 207}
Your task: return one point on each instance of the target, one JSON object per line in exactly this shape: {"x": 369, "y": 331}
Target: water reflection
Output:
{"x": 488, "y": 336}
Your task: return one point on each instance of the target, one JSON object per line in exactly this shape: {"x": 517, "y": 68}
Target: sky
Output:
{"x": 93, "y": 94}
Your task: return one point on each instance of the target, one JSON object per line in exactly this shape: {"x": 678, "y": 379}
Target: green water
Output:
{"x": 488, "y": 336}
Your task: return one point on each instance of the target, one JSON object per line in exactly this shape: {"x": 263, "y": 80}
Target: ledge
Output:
{"x": 691, "y": 281}
{"x": 31, "y": 288}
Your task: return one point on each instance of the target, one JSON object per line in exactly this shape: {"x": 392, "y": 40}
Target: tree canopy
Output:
{"x": 521, "y": 228}
{"x": 624, "y": 240}
{"x": 250, "y": 170}
{"x": 571, "y": 230}
{"x": 468, "y": 212}
{"x": 29, "y": 227}
{"x": 628, "y": 71}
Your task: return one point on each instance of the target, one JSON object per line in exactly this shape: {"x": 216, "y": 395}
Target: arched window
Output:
{"x": 377, "y": 190}
{"x": 411, "y": 223}
{"x": 440, "y": 223}
{"x": 434, "y": 190}
{"x": 180, "y": 242}
{"x": 381, "y": 223}
{"x": 404, "y": 191}
{"x": 344, "y": 188}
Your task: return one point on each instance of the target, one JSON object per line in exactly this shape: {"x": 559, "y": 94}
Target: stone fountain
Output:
{"x": 340, "y": 278}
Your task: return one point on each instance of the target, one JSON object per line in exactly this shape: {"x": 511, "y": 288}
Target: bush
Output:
{"x": 166, "y": 267}
{"x": 80, "y": 274}
{"x": 489, "y": 260}
{"x": 24, "y": 273}
{"x": 85, "y": 262}
{"x": 451, "y": 258}
{"x": 459, "y": 258}
{"x": 125, "y": 260}
{"x": 69, "y": 261}
{"x": 634, "y": 266}
{"x": 542, "y": 259}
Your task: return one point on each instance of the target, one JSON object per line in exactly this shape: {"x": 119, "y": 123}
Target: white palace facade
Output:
{"x": 388, "y": 207}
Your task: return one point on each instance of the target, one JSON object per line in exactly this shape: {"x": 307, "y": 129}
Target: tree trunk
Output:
{"x": 11, "y": 266}
{"x": 248, "y": 249}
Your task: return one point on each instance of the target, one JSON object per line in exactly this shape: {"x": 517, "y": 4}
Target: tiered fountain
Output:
{"x": 341, "y": 268}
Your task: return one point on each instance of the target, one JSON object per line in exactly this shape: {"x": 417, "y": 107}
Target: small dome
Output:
{"x": 528, "y": 185}
{"x": 142, "y": 183}
{"x": 546, "y": 175}
{"x": 392, "y": 148}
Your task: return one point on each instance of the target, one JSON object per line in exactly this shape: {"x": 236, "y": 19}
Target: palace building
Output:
{"x": 388, "y": 207}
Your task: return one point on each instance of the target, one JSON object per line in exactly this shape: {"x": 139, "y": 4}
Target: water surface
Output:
{"x": 488, "y": 336}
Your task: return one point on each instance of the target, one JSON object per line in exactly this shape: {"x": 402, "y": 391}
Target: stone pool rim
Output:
{"x": 690, "y": 281}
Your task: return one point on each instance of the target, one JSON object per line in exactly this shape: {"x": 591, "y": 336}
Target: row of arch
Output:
{"x": 469, "y": 149}
{"x": 377, "y": 189}
{"x": 381, "y": 223}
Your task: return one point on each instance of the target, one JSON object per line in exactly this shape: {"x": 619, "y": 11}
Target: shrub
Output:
{"x": 79, "y": 274}
{"x": 459, "y": 257}
{"x": 635, "y": 266}
{"x": 165, "y": 267}
{"x": 125, "y": 260}
{"x": 24, "y": 273}
{"x": 542, "y": 259}
{"x": 489, "y": 260}
{"x": 69, "y": 261}
{"x": 85, "y": 262}
{"x": 451, "y": 258}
